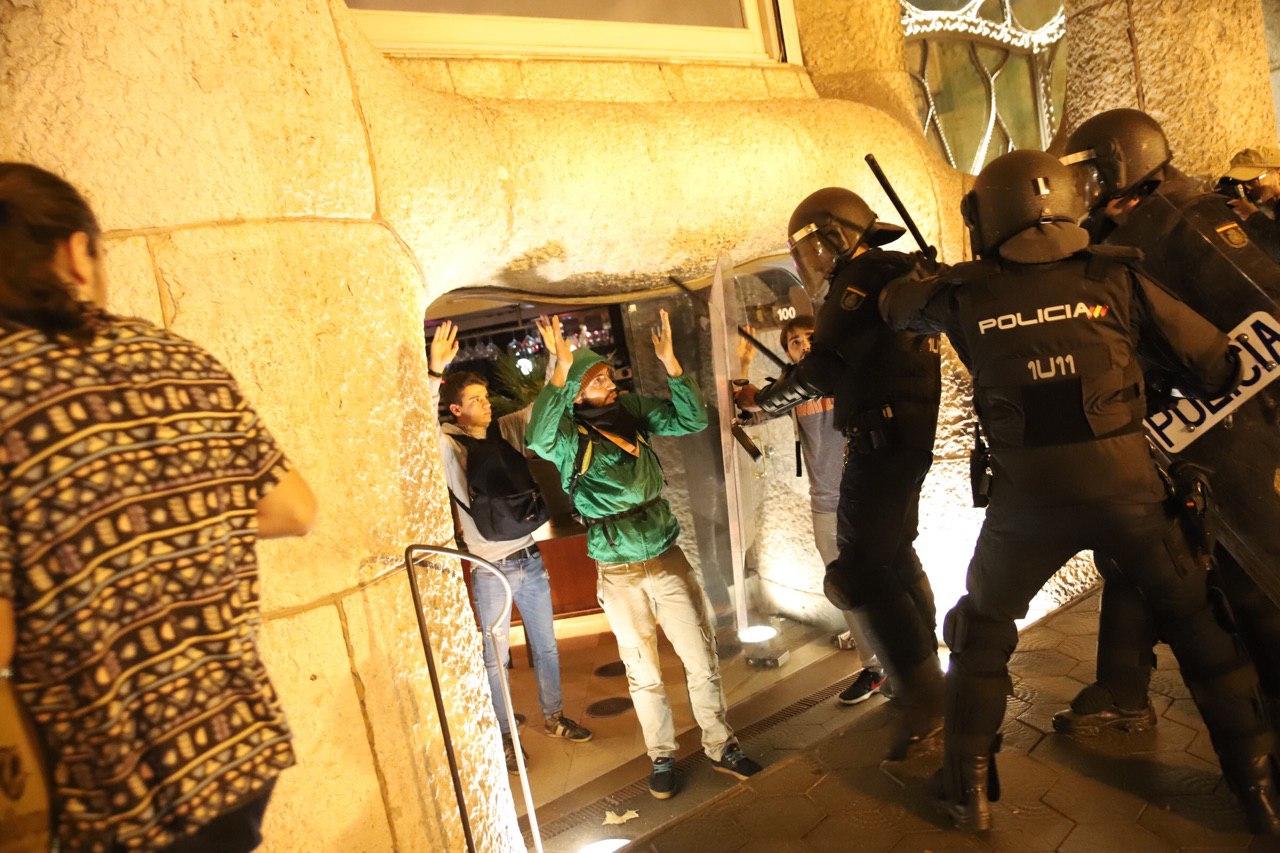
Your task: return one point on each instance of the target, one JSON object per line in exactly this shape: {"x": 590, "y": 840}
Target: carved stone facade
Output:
{"x": 1200, "y": 69}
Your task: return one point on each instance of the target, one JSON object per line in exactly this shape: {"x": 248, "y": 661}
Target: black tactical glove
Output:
{"x": 924, "y": 266}
{"x": 786, "y": 393}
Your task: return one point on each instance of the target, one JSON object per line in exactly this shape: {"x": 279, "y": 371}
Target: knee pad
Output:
{"x": 979, "y": 681}
{"x": 1252, "y": 608}
{"x": 905, "y": 639}
{"x": 863, "y": 587}
{"x": 1231, "y": 705}
{"x": 979, "y": 643}
{"x": 833, "y": 587}
{"x": 1200, "y": 643}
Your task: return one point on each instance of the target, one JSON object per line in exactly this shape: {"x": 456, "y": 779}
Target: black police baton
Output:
{"x": 930, "y": 252}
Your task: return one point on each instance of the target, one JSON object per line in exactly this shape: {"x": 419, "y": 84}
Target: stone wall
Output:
{"x": 1271, "y": 20}
{"x": 855, "y": 51}
{"x": 275, "y": 188}
{"x": 1200, "y": 70}
{"x": 635, "y": 81}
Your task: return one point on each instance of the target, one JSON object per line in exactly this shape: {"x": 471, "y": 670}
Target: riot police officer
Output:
{"x": 1192, "y": 243}
{"x": 886, "y": 387}
{"x": 1051, "y": 330}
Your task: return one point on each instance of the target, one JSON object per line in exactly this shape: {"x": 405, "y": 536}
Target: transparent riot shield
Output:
{"x": 722, "y": 309}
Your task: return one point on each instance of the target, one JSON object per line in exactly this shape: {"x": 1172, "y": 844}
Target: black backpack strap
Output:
{"x": 460, "y": 504}
{"x": 582, "y": 459}
{"x": 468, "y": 443}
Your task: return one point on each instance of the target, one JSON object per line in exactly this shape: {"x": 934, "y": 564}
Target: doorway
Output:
{"x": 781, "y": 588}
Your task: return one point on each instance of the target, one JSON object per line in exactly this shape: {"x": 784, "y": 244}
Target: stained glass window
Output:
{"x": 989, "y": 74}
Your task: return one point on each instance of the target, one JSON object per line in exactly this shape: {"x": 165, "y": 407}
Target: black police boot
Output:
{"x": 920, "y": 691}
{"x": 1253, "y": 781}
{"x": 966, "y": 786}
{"x": 1094, "y": 710}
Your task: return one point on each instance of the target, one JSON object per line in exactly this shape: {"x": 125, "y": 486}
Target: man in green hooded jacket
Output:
{"x": 599, "y": 441}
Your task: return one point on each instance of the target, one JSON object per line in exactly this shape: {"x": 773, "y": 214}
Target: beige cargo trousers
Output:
{"x": 665, "y": 591}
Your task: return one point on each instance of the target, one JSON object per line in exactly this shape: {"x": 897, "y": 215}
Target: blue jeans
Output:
{"x": 531, "y": 593}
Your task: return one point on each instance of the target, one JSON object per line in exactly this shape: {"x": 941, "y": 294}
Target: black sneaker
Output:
{"x": 562, "y": 726}
{"x": 663, "y": 782}
{"x": 509, "y": 753}
{"x": 866, "y": 685}
{"x": 736, "y": 763}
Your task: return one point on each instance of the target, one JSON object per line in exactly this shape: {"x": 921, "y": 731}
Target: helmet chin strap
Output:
{"x": 843, "y": 260}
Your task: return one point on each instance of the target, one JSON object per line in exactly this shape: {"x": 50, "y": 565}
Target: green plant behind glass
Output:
{"x": 512, "y": 390}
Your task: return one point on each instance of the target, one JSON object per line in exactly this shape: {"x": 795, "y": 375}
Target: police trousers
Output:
{"x": 877, "y": 571}
{"x": 1127, "y": 632}
{"x": 878, "y": 576}
{"x": 1019, "y": 548}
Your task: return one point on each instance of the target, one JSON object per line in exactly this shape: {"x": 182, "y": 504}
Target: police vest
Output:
{"x": 1057, "y": 383}
{"x": 1052, "y": 352}
{"x": 878, "y": 366}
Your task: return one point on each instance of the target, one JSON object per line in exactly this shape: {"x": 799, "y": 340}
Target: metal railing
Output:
{"x": 491, "y": 631}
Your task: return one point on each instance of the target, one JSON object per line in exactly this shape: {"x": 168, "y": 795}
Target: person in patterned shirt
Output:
{"x": 136, "y": 482}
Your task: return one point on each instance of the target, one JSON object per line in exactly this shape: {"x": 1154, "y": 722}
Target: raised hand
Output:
{"x": 561, "y": 347}
{"x": 546, "y": 333}
{"x": 664, "y": 346}
{"x": 444, "y": 347}
{"x": 563, "y": 352}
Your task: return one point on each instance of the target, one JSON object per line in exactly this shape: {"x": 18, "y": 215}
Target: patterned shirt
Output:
{"x": 131, "y": 468}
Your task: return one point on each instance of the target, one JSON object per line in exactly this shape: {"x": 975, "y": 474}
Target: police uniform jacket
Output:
{"x": 1054, "y": 350}
{"x": 880, "y": 378}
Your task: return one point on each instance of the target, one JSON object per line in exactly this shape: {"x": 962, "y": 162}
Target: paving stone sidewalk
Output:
{"x": 1155, "y": 791}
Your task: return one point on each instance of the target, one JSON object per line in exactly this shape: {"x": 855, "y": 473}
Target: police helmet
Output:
{"x": 1017, "y": 191}
{"x": 827, "y": 227}
{"x": 1121, "y": 152}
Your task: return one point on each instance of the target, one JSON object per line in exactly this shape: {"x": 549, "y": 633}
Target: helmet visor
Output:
{"x": 1090, "y": 181}
{"x": 814, "y": 257}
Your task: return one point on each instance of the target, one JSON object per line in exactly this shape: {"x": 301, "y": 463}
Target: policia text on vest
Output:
{"x": 1048, "y": 314}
